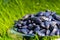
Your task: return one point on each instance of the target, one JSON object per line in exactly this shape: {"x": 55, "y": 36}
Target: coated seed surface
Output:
{"x": 43, "y": 23}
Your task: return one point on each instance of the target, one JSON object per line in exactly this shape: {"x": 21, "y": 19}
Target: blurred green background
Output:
{"x": 11, "y": 10}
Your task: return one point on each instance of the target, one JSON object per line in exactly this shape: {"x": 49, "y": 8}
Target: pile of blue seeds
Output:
{"x": 45, "y": 23}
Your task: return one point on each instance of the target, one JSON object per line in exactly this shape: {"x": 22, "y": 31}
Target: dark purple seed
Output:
{"x": 47, "y": 24}
{"x": 25, "y": 31}
{"x": 40, "y": 34}
{"x": 31, "y": 32}
{"x": 44, "y": 18}
{"x": 30, "y": 26}
{"x": 47, "y": 14}
{"x": 19, "y": 25}
{"x": 50, "y": 17}
{"x": 58, "y": 25}
{"x": 24, "y": 26}
{"x": 42, "y": 25}
{"x": 37, "y": 28}
{"x": 29, "y": 21}
{"x": 33, "y": 24}
{"x": 53, "y": 13}
{"x": 25, "y": 22}
{"x": 53, "y": 23}
{"x": 47, "y": 32}
{"x": 40, "y": 14}
{"x": 57, "y": 32}
{"x": 43, "y": 31}
{"x": 36, "y": 20}
{"x": 51, "y": 28}
{"x": 54, "y": 30}
{"x": 57, "y": 17}
{"x": 31, "y": 15}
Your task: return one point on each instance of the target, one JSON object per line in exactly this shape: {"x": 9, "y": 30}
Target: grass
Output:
{"x": 11, "y": 10}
